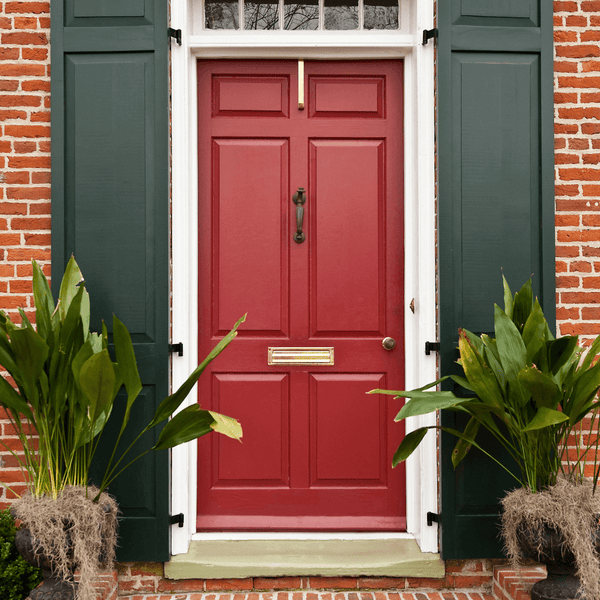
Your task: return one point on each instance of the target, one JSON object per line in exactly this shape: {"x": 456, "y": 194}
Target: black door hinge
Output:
{"x": 176, "y": 519}
{"x": 176, "y": 34}
{"x": 429, "y": 34}
{"x": 431, "y": 347}
{"x": 176, "y": 348}
{"x": 433, "y": 517}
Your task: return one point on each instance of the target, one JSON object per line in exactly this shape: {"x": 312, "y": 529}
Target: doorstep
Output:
{"x": 239, "y": 559}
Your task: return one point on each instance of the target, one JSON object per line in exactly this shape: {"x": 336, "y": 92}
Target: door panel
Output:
{"x": 317, "y": 451}
{"x": 250, "y": 184}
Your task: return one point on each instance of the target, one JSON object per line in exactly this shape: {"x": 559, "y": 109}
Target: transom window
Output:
{"x": 301, "y": 14}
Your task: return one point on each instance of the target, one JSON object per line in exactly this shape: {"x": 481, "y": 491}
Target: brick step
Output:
{"x": 477, "y": 580}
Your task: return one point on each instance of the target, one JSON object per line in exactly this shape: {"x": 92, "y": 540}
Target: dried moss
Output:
{"x": 74, "y": 532}
{"x": 571, "y": 509}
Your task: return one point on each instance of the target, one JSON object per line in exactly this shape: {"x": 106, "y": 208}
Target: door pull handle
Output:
{"x": 299, "y": 199}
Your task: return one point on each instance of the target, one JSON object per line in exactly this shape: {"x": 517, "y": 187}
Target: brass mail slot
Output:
{"x": 300, "y": 356}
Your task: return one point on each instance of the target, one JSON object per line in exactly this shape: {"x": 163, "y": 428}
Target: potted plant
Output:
{"x": 536, "y": 395}
{"x": 66, "y": 384}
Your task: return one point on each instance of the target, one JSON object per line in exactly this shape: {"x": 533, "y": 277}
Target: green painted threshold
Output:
{"x": 232, "y": 559}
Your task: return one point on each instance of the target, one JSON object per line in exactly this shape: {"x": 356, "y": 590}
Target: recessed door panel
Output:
{"x": 348, "y": 184}
{"x": 249, "y": 195}
{"x": 300, "y": 226}
{"x": 352, "y": 429}
{"x": 263, "y": 457}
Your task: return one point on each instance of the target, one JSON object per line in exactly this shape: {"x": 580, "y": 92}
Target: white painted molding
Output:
{"x": 420, "y": 226}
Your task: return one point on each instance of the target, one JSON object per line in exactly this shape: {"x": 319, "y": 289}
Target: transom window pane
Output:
{"x": 301, "y": 14}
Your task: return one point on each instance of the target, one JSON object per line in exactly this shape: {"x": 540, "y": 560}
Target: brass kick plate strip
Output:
{"x": 300, "y": 356}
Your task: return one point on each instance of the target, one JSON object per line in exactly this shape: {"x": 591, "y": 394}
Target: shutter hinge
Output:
{"x": 429, "y": 34}
{"x": 176, "y": 519}
{"x": 175, "y": 33}
{"x": 176, "y": 348}
{"x": 433, "y": 517}
{"x": 431, "y": 347}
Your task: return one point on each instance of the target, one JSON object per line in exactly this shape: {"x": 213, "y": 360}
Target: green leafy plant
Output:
{"x": 530, "y": 390}
{"x": 17, "y": 577}
{"x": 67, "y": 383}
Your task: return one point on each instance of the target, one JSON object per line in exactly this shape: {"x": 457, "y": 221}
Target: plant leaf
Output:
{"x": 190, "y": 423}
{"x": 408, "y": 445}
{"x": 479, "y": 374}
{"x": 127, "y": 366}
{"x": 68, "y": 287}
{"x": 226, "y": 425}
{"x": 97, "y": 380}
{"x": 545, "y": 417}
{"x": 463, "y": 445}
{"x": 543, "y": 389}
{"x": 170, "y": 404}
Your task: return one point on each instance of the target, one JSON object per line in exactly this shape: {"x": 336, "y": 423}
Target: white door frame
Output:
{"x": 419, "y": 235}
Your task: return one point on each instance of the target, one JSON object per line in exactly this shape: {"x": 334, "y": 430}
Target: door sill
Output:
{"x": 243, "y": 558}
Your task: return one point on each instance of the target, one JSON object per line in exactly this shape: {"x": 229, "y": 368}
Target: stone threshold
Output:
{"x": 240, "y": 559}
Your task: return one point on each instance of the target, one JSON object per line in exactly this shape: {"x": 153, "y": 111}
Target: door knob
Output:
{"x": 388, "y": 343}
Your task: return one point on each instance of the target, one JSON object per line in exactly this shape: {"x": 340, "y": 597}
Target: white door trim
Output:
{"x": 420, "y": 225}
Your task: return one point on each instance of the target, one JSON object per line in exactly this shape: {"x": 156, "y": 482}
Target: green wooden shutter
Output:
{"x": 110, "y": 209}
{"x": 496, "y": 209}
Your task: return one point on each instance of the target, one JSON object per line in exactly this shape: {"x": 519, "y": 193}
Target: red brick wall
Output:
{"x": 577, "y": 157}
{"x": 24, "y": 168}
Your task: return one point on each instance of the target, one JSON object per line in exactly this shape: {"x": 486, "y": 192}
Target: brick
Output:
{"x": 27, "y": 131}
{"x": 565, "y": 36}
{"x": 9, "y": 54}
{"x": 27, "y": 7}
{"x": 25, "y": 23}
{"x": 565, "y": 6}
{"x": 587, "y": 97}
{"x": 39, "y": 208}
{"x": 28, "y": 193}
{"x": 580, "y": 266}
{"x": 591, "y": 159}
{"x": 24, "y": 39}
{"x": 6, "y": 115}
{"x": 579, "y": 82}
{"x": 30, "y": 223}
{"x": 579, "y": 113}
{"x": 40, "y": 117}
{"x": 44, "y": 239}
{"x": 8, "y": 85}
{"x": 565, "y": 66}
{"x": 565, "y": 98}
{"x": 346, "y": 583}
{"x": 579, "y": 174}
{"x": 36, "y": 85}
{"x": 566, "y": 220}
{"x": 34, "y": 54}
{"x": 274, "y": 583}
{"x": 29, "y": 162}
{"x": 580, "y": 51}
{"x": 382, "y": 583}
{"x": 590, "y": 66}
{"x": 24, "y": 70}
{"x": 13, "y": 208}
{"x": 576, "y": 21}
{"x": 565, "y": 159}
{"x": 566, "y": 190}
{"x": 228, "y": 584}
{"x": 16, "y": 177}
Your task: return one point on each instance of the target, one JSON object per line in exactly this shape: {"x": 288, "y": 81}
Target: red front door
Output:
{"x": 316, "y": 451}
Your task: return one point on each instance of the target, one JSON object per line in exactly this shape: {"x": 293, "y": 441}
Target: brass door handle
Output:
{"x": 299, "y": 199}
{"x": 388, "y": 343}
